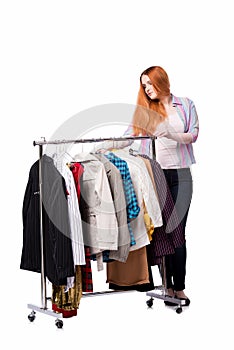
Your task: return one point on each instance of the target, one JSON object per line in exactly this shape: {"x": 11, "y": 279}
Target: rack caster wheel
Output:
{"x": 59, "y": 323}
{"x": 179, "y": 310}
{"x": 32, "y": 316}
{"x": 150, "y": 302}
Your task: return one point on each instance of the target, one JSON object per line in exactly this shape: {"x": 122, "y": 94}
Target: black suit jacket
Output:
{"x": 58, "y": 256}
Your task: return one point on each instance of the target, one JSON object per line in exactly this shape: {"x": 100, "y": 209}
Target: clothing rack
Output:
{"x": 44, "y": 308}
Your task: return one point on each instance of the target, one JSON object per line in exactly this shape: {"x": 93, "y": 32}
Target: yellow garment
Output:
{"x": 148, "y": 223}
{"x": 70, "y": 299}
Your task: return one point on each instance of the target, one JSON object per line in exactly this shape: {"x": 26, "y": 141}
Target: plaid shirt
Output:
{"x": 131, "y": 200}
{"x": 86, "y": 271}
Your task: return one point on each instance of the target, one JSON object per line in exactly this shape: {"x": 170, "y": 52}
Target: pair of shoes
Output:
{"x": 184, "y": 301}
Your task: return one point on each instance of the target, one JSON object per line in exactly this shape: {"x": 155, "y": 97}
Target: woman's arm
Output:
{"x": 189, "y": 136}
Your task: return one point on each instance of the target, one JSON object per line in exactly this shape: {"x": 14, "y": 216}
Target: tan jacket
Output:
{"x": 117, "y": 190}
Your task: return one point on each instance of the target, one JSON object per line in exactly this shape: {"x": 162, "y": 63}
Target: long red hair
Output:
{"x": 149, "y": 113}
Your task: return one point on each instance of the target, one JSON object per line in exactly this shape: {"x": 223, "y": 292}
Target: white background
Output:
{"x": 59, "y": 58}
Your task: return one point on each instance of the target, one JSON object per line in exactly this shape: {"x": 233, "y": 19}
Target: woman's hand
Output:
{"x": 165, "y": 130}
{"x": 162, "y": 130}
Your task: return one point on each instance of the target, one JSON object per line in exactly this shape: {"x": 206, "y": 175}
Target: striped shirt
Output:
{"x": 73, "y": 209}
{"x": 186, "y": 110}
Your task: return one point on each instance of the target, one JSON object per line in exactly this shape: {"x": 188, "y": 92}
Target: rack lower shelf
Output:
{"x": 159, "y": 293}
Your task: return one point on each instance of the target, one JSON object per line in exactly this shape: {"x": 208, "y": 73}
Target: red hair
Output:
{"x": 149, "y": 113}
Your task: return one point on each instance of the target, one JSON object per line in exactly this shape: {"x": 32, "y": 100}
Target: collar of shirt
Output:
{"x": 175, "y": 100}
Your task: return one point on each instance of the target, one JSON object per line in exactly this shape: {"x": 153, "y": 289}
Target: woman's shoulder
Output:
{"x": 181, "y": 100}
{"x": 184, "y": 101}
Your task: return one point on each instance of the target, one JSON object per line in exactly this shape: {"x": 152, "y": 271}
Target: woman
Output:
{"x": 174, "y": 121}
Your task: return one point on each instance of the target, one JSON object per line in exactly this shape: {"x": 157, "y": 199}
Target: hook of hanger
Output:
{"x": 133, "y": 152}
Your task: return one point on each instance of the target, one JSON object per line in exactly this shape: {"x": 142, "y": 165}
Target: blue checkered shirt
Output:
{"x": 131, "y": 200}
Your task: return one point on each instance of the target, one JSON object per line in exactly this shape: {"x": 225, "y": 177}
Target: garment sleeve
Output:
{"x": 191, "y": 129}
{"x": 193, "y": 122}
{"x": 180, "y": 137}
{"x": 27, "y": 197}
{"x": 150, "y": 199}
{"x": 191, "y": 134}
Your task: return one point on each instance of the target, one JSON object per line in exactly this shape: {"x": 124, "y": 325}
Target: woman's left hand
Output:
{"x": 162, "y": 130}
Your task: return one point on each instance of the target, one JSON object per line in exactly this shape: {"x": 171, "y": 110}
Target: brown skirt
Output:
{"x": 133, "y": 272}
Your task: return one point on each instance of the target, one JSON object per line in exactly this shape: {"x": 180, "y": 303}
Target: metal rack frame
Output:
{"x": 44, "y": 308}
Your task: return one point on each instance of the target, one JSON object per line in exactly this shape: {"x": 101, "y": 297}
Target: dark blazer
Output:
{"x": 58, "y": 255}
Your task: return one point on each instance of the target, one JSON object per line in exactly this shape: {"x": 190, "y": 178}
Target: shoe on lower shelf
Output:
{"x": 184, "y": 301}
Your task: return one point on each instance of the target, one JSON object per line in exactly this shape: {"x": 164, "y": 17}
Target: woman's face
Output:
{"x": 148, "y": 87}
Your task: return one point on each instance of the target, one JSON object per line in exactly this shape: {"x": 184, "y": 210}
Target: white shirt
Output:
{"x": 168, "y": 154}
{"x": 73, "y": 208}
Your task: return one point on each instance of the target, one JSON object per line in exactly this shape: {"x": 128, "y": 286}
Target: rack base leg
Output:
{"x": 34, "y": 308}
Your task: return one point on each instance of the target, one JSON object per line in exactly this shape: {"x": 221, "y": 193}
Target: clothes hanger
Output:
{"x": 133, "y": 152}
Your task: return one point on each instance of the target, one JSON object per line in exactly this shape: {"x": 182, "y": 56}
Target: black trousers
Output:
{"x": 181, "y": 187}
